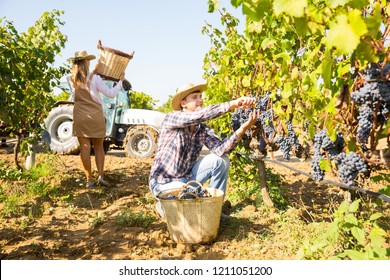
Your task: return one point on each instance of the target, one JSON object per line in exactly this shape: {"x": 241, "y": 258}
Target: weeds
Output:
{"x": 351, "y": 235}
{"x": 96, "y": 220}
{"x": 128, "y": 217}
{"x": 20, "y": 188}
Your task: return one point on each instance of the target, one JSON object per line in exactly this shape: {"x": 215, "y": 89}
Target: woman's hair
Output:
{"x": 80, "y": 71}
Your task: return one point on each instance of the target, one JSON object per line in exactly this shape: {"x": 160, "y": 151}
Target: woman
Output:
{"x": 88, "y": 119}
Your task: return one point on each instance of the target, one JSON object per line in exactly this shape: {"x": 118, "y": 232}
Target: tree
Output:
{"x": 141, "y": 100}
{"x": 28, "y": 75}
{"x": 167, "y": 106}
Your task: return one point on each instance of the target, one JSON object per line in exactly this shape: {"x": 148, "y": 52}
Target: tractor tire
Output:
{"x": 140, "y": 142}
{"x": 59, "y": 125}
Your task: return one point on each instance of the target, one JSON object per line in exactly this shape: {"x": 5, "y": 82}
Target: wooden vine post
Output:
{"x": 263, "y": 183}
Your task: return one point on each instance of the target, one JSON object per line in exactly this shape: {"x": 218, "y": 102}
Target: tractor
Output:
{"x": 134, "y": 130}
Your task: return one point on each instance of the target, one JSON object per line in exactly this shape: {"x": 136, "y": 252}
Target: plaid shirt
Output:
{"x": 178, "y": 150}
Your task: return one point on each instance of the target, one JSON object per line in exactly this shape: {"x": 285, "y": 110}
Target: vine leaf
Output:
{"x": 324, "y": 165}
{"x": 293, "y": 8}
{"x": 342, "y": 36}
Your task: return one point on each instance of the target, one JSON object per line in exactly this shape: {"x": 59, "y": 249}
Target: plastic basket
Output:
{"x": 111, "y": 63}
{"x": 192, "y": 221}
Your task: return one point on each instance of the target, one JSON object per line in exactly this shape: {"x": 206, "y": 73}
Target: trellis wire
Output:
{"x": 324, "y": 182}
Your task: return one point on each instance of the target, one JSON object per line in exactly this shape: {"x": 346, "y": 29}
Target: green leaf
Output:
{"x": 255, "y": 26}
{"x": 324, "y": 165}
{"x": 374, "y": 22}
{"x": 354, "y": 206}
{"x": 332, "y": 133}
{"x": 355, "y": 255}
{"x": 236, "y": 3}
{"x": 376, "y": 237}
{"x": 246, "y": 81}
{"x": 343, "y": 207}
{"x": 343, "y": 69}
{"x": 335, "y": 3}
{"x": 342, "y": 36}
{"x": 351, "y": 219}
{"x": 357, "y": 23}
{"x": 256, "y": 10}
{"x": 365, "y": 54}
{"x": 327, "y": 69}
{"x": 213, "y": 5}
{"x": 294, "y": 8}
{"x": 301, "y": 25}
{"x": 375, "y": 216}
{"x": 330, "y": 108}
{"x": 359, "y": 234}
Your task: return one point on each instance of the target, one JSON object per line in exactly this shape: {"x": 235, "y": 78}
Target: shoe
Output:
{"x": 102, "y": 182}
{"x": 159, "y": 209}
{"x": 224, "y": 217}
{"x": 90, "y": 184}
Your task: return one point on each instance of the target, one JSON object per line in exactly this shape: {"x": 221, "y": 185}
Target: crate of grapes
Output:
{"x": 192, "y": 212}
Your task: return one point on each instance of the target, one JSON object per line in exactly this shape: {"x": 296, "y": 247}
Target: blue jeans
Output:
{"x": 211, "y": 167}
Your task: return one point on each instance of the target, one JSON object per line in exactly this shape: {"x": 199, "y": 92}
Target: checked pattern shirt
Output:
{"x": 178, "y": 149}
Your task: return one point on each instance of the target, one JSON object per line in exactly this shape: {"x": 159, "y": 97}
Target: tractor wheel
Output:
{"x": 59, "y": 125}
{"x": 140, "y": 142}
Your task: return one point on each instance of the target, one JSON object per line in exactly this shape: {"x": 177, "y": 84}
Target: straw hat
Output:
{"x": 82, "y": 55}
{"x": 183, "y": 91}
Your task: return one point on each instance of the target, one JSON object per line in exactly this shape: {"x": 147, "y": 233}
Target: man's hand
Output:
{"x": 242, "y": 102}
{"x": 253, "y": 116}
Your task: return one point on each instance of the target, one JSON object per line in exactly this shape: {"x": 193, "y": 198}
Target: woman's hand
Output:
{"x": 122, "y": 77}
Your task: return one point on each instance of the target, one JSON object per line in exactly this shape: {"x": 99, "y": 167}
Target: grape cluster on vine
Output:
{"x": 348, "y": 165}
{"x": 372, "y": 99}
{"x": 266, "y": 130}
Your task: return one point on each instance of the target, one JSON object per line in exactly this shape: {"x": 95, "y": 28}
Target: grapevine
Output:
{"x": 372, "y": 98}
{"x": 307, "y": 77}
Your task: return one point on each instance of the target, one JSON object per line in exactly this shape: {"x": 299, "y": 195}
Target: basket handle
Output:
{"x": 190, "y": 182}
{"x": 190, "y": 193}
{"x": 188, "y": 185}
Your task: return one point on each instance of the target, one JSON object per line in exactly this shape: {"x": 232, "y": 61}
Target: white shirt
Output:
{"x": 96, "y": 87}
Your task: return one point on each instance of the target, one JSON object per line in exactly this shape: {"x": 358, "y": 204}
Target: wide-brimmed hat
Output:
{"x": 82, "y": 55}
{"x": 183, "y": 91}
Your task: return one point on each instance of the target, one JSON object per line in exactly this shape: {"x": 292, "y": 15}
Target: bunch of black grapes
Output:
{"x": 289, "y": 142}
{"x": 265, "y": 132}
{"x": 263, "y": 128}
{"x": 372, "y": 97}
{"x": 324, "y": 145}
{"x": 190, "y": 192}
{"x": 284, "y": 145}
{"x": 318, "y": 173}
{"x": 349, "y": 166}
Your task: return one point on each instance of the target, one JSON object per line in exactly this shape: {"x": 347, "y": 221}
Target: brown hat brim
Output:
{"x": 182, "y": 94}
{"x": 87, "y": 57}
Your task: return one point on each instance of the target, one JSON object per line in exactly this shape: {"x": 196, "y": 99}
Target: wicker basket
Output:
{"x": 111, "y": 63}
{"x": 192, "y": 221}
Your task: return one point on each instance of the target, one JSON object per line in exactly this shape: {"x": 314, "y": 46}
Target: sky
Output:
{"x": 166, "y": 35}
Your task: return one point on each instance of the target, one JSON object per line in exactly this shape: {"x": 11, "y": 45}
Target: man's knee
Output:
{"x": 222, "y": 162}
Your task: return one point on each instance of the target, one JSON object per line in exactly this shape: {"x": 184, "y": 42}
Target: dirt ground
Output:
{"x": 83, "y": 223}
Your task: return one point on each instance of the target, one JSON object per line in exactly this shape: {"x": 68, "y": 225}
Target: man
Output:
{"x": 182, "y": 136}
